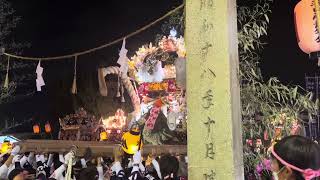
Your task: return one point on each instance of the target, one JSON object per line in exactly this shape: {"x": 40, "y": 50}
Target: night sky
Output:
{"x": 282, "y": 56}
{"x": 63, "y": 27}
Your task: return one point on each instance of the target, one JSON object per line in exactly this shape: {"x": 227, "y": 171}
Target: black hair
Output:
{"x": 169, "y": 165}
{"x": 41, "y": 177}
{"x": 56, "y": 161}
{"x": 14, "y": 173}
{"x": 89, "y": 173}
{"x": 300, "y": 152}
{"x": 76, "y": 169}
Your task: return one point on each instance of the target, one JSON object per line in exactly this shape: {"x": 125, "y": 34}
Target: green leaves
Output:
{"x": 8, "y": 22}
{"x": 270, "y": 98}
{"x": 266, "y": 16}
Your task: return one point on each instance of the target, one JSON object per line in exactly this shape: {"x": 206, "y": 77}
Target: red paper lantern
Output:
{"x": 308, "y": 35}
{"x": 36, "y": 129}
{"x": 47, "y": 127}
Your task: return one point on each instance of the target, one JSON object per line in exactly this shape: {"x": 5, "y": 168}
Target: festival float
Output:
{"x": 152, "y": 83}
{"x": 159, "y": 72}
{"x": 154, "y": 79}
{"x": 80, "y": 126}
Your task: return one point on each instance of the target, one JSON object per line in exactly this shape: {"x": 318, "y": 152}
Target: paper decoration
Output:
{"x": 169, "y": 71}
{"x": 157, "y": 76}
{"x": 173, "y": 32}
{"x": 39, "y": 80}
{"x": 118, "y": 87}
{"x": 172, "y": 120}
{"x": 145, "y": 108}
{"x": 154, "y": 113}
{"x": 173, "y": 44}
{"x": 123, "y": 59}
{"x": 169, "y": 45}
{"x": 180, "y": 64}
{"x": 102, "y": 83}
{"x": 122, "y": 94}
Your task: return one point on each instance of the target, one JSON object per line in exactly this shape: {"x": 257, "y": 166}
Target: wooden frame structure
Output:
{"x": 98, "y": 148}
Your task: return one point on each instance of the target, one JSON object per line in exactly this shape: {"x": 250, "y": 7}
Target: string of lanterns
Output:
{"x": 37, "y": 129}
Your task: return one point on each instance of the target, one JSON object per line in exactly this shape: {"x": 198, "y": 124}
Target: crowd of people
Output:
{"x": 292, "y": 158}
{"x": 27, "y": 166}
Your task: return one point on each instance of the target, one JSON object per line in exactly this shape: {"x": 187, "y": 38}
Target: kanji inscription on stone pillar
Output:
{"x": 213, "y": 93}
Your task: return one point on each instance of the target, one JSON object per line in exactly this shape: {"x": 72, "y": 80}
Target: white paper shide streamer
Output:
{"x": 39, "y": 80}
{"x": 123, "y": 59}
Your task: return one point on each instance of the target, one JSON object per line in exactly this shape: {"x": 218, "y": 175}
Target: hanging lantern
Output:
{"x": 307, "y": 24}
{"x": 5, "y": 147}
{"x": 103, "y": 136}
{"x": 131, "y": 141}
{"x": 47, "y": 127}
{"x": 36, "y": 129}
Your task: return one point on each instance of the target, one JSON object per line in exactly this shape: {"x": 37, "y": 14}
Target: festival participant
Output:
{"x": 169, "y": 166}
{"x": 59, "y": 173}
{"x": 117, "y": 172}
{"x": 37, "y": 166}
{"x": 89, "y": 173}
{"x": 183, "y": 167}
{"x": 152, "y": 168}
{"x": 16, "y": 174}
{"x": 138, "y": 170}
{"x": 295, "y": 158}
{"x": 5, "y": 167}
{"x": 100, "y": 168}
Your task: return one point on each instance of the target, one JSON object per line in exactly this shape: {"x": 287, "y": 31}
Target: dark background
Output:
{"x": 59, "y": 27}
{"x": 63, "y": 27}
{"x": 282, "y": 57}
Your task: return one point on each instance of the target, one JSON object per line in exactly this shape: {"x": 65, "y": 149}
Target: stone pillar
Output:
{"x": 213, "y": 93}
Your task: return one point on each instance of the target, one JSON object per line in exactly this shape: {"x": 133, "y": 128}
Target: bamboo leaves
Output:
{"x": 279, "y": 104}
